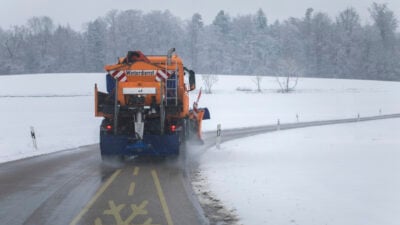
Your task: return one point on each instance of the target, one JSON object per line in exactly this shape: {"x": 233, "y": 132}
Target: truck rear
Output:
{"x": 146, "y": 106}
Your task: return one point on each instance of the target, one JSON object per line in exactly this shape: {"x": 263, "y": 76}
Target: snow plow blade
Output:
{"x": 151, "y": 145}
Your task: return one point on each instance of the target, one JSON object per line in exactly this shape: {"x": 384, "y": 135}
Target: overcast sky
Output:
{"x": 77, "y": 12}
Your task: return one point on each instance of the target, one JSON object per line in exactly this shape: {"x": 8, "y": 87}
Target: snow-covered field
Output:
{"x": 342, "y": 174}
{"x": 314, "y": 99}
{"x": 60, "y": 107}
{"x": 338, "y": 175}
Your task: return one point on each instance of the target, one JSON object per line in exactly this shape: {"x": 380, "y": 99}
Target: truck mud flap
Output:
{"x": 207, "y": 115}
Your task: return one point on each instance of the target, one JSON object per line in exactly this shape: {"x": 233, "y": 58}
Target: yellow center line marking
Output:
{"x": 162, "y": 198}
{"x": 131, "y": 189}
{"x": 95, "y": 197}
{"x": 98, "y": 221}
{"x": 136, "y": 171}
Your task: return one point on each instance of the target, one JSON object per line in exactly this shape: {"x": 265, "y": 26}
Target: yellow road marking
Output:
{"x": 137, "y": 210}
{"x": 136, "y": 171}
{"x": 131, "y": 189}
{"x": 98, "y": 221}
{"x": 162, "y": 198}
{"x": 95, "y": 197}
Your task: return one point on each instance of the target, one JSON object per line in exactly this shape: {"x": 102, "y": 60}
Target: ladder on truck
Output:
{"x": 172, "y": 90}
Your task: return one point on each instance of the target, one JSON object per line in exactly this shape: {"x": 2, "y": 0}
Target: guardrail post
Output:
{"x": 218, "y": 136}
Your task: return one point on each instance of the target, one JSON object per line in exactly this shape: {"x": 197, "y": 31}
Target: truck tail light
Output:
{"x": 173, "y": 128}
{"x": 109, "y": 127}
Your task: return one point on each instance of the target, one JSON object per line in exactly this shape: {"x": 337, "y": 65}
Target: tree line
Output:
{"x": 316, "y": 44}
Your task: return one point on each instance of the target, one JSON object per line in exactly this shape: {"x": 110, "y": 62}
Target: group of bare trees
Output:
{"x": 314, "y": 45}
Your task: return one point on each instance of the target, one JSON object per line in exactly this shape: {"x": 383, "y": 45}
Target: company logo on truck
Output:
{"x": 141, "y": 72}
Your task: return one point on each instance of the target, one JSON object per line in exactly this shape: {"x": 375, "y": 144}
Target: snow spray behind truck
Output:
{"x": 146, "y": 106}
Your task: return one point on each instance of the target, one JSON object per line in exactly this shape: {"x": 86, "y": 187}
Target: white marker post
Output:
{"x": 218, "y": 136}
{"x": 33, "y": 136}
{"x": 278, "y": 125}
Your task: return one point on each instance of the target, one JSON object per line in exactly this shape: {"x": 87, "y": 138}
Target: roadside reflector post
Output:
{"x": 358, "y": 117}
{"x": 297, "y": 117}
{"x": 218, "y": 136}
{"x": 33, "y": 136}
{"x": 278, "y": 125}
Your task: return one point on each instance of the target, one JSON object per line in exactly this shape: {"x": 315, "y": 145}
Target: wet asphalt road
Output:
{"x": 75, "y": 187}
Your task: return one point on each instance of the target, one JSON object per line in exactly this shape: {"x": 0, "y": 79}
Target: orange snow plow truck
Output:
{"x": 146, "y": 106}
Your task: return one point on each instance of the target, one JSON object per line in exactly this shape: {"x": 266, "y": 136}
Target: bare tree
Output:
{"x": 209, "y": 80}
{"x": 257, "y": 80}
{"x": 12, "y": 41}
{"x": 287, "y": 75}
